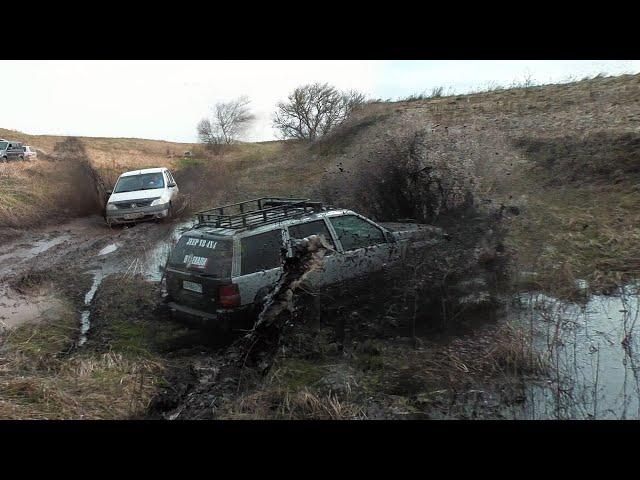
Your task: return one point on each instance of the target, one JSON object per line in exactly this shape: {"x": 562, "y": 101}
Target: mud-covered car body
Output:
{"x": 219, "y": 271}
{"x": 142, "y": 195}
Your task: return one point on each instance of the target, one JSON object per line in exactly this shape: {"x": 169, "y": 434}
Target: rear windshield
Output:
{"x": 205, "y": 255}
{"x": 144, "y": 181}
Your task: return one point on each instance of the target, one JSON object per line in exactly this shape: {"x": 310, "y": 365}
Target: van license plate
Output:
{"x": 193, "y": 286}
{"x": 131, "y": 216}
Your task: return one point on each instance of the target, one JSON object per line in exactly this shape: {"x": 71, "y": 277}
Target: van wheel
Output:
{"x": 4, "y": 159}
{"x": 169, "y": 213}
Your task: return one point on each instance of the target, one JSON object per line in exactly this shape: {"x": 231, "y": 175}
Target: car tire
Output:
{"x": 4, "y": 159}
{"x": 169, "y": 216}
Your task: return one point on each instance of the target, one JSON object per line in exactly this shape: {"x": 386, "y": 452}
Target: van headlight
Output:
{"x": 158, "y": 201}
{"x": 111, "y": 206}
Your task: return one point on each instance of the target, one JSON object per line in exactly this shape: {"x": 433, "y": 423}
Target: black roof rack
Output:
{"x": 257, "y": 212}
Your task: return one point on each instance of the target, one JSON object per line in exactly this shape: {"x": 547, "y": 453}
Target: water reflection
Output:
{"x": 593, "y": 355}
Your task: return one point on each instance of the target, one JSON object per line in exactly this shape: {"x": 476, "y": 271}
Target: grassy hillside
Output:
{"x": 110, "y": 152}
{"x": 564, "y": 158}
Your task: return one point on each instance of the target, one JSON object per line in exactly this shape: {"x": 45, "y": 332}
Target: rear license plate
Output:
{"x": 131, "y": 216}
{"x": 193, "y": 286}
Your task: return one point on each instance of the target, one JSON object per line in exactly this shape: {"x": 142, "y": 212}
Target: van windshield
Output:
{"x": 207, "y": 255}
{"x": 3, "y": 145}
{"x": 144, "y": 181}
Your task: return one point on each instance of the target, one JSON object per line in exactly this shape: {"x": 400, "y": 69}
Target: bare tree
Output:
{"x": 229, "y": 121}
{"x": 312, "y": 110}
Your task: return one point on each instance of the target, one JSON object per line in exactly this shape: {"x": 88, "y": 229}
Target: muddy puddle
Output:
{"x": 593, "y": 353}
{"x": 17, "y": 308}
{"x": 80, "y": 247}
{"x": 27, "y": 251}
{"x": 85, "y": 316}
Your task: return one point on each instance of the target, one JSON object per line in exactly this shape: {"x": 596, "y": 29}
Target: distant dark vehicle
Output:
{"x": 30, "y": 153}
{"x": 11, "y": 151}
{"x": 188, "y": 154}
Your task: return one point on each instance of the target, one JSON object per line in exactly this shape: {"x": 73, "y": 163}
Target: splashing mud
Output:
{"x": 155, "y": 259}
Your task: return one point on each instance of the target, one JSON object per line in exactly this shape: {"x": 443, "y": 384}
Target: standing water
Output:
{"x": 593, "y": 353}
{"x": 85, "y": 322}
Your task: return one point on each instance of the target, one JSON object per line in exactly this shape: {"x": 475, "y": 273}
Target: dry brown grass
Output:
{"x": 42, "y": 376}
{"x": 515, "y": 354}
{"x": 108, "y": 387}
{"x": 285, "y": 404}
{"x": 39, "y": 191}
{"x": 26, "y": 190}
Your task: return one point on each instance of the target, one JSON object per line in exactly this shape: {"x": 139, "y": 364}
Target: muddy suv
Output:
{"x": 221, "y": 270}
{"x": 141, "y": 195}
{"x": 11, "y": 151}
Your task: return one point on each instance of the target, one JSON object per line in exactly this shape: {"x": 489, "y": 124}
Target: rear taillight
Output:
{"x": 229, "y": 295}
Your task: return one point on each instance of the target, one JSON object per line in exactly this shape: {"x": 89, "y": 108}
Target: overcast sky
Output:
{"x": 166, "y": 99}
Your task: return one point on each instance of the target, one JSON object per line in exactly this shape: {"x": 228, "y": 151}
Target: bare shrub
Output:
{"x": 436, "y": 92}
{"x": 311, "y": 111}
{"x": 229, "y": 121}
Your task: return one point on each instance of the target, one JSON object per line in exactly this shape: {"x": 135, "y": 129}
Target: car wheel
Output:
{"x": 4, "y": 159}
{"x": 169, "y": 216}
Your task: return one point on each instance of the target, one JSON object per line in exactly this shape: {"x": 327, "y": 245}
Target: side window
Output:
{"x": 355, "y": 232}
{"x": 317, "y": 227}
{"x": 261, "y": 252}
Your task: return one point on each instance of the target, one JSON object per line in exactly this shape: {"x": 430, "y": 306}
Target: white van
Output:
{"x": 142, "y": 195}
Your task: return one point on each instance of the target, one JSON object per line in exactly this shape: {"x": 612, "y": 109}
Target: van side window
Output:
{"x": 317, "y": 227}
{"x": 261, "y": 252}
{"x": 355, "y": 232}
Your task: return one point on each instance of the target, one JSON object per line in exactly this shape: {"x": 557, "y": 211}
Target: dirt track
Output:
{"x": 68, "y": 255}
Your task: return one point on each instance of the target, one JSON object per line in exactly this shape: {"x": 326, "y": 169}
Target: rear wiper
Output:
{"x": 207, "y": 275}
